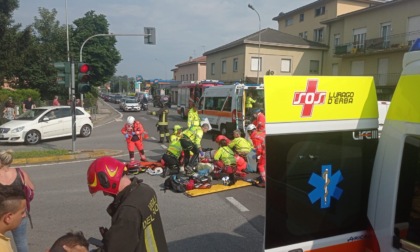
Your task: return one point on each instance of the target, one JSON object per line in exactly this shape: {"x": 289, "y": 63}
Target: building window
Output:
{"x": 320, "y": 11}
{"x": 319, "y": 35}
{"x": 212, "y": 68}
{"x": 359, "y": 38}
{"x": 301, "y": 17}
{"x": 224, "y": 66}
{"x": 235, "y": 65}
{"x": 286, "y": 65}
{"x": 385, "y": 33}
{"x": 255, "y": 64}
{"x": 314, "y": 66}
{"x": 289, "y": 21}
{"x": 336, "y": 39}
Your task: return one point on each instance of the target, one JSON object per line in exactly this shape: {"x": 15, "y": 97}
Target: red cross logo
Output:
{"x": 309, "y": 98}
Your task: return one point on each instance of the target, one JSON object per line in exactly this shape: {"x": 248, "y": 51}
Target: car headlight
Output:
{"x": 18, "y": 129}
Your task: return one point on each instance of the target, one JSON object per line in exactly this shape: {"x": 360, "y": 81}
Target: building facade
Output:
{"x": 191, "y": 70}
{"x": 269, "y": 53}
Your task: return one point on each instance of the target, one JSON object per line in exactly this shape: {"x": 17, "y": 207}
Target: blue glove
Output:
{"x": 133, "y": 133}
{"x": 126, "y": 136}
{"x": 201, "y": 153}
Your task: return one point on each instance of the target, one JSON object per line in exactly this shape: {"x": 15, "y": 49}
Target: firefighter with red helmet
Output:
{"x": 133, "y": 132}
{"x": 258, "y": 139}
{"x": 136, "y": 223}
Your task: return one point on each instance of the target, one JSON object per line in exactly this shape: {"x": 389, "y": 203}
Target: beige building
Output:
{"x": 273, "y": 52}
{"x": 306, "y": 21}
{"x": 191, "y": 70}
{"x": 372, "y": 42}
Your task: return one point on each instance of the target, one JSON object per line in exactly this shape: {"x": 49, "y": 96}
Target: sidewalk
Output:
{"x": 104, "y": 115}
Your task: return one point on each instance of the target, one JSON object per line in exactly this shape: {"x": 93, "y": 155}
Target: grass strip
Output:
{"x": 38, "y": 153}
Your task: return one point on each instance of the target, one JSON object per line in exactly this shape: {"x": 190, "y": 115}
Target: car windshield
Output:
{"x": 31, "y": 114}
{"x": 130, "y": 101}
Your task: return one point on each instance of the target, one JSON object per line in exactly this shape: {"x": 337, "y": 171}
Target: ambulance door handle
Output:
{"x": 296, "y": 250}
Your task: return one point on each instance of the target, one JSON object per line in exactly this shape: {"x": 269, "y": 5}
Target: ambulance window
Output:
{"x": 200, "y": 104}
{"x": 209, "y": 103}
{"x": 301, "y": 206}
{"x": 219, "y": 102}
{"x": 407, "y": 214}
{"x": 228, "y": 104}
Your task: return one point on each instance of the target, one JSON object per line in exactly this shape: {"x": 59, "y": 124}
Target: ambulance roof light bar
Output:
{"x": 415, "y": 46}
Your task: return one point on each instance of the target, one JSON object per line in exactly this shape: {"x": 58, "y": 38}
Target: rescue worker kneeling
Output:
{"x": 191, "y": 142}
{"x": 171, "y": 159}
{"x": 225, "y": 162}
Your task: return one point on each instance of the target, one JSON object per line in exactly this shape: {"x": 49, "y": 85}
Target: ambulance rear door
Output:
{"x": 321, "y": 142}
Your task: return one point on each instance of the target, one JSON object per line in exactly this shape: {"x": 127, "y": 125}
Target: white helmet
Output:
{"x": 130, "y": 120}
{"x": 250, "y": 127}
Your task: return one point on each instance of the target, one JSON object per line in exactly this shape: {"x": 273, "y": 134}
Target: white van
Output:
{"x": 224, "y": 106}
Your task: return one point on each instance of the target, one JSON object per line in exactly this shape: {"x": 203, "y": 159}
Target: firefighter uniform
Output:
{"x": 162, "y": 124}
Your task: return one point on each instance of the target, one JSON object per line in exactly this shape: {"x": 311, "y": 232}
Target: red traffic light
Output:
{"x": 84, "y": 68}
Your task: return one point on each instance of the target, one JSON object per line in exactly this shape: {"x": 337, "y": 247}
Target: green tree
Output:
{"x": 99, "y": 52}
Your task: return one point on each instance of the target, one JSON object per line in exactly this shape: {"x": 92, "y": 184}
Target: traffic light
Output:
{"x": 150, "y": 35}
{"x": 63, "y": 73}
{"x": 84, "y": 78}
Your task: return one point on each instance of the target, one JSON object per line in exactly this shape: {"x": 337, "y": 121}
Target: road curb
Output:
{"x": 79, "y": 155}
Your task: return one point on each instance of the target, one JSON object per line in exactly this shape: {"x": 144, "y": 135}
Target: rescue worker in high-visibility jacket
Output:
{"x": 162, "y": 124}
{"x": 258, "y": 139}
{"x": 133, "y": 131}
{"x": 249, "y": 103}
{"x": 225, "y": 161}
{"x": 171, "y": 159}
{"x": 239, "y": 144}
{"x": 191, "y": 141}
{"x": 193, "y": 118}
{"x": 176, "y": 135}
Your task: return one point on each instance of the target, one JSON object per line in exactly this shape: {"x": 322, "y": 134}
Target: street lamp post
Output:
{"x": 259, "y": 41}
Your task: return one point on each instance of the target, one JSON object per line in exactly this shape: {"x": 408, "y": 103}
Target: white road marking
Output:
{"x": 237, "y": 204}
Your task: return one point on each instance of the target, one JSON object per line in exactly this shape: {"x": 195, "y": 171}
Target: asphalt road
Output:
{"x": 227, "y": 221}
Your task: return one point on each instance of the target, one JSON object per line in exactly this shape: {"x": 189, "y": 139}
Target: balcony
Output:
{"x": 398, "y": 42}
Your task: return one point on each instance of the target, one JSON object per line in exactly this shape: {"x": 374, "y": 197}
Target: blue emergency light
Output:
{"x": 415, "y": 46}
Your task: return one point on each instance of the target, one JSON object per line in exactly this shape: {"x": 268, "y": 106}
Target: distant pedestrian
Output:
{"x": 28, "y": 104}
{"x": 55, "y": 101}
{"x": 9, "y": 112}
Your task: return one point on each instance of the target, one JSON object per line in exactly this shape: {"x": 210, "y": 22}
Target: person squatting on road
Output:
{"x": 133, "y": 131}
{"x": 171, "y": 159}
{"x": 191, "y": 141}
{"x": 136, "y": 224}
{"x": 258, "y": 139}
{"x": 225, "y": 161}
{"x": 14, "y": 177}
{"x": 12, "y": 212}
{"x": 162, "y": 124}
{"x": 259, "y": 121}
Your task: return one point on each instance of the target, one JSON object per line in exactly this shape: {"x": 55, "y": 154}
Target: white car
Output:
{"x": 45, "y": 123}
{"x": 131, "y": 105}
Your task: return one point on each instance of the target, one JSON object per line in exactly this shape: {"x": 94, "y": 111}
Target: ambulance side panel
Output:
{"x": 321, "y": 142}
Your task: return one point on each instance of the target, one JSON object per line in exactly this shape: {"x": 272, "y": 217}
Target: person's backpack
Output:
{"x": 175, "y": 184}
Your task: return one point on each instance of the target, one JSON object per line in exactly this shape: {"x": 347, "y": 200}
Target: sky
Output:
{"x": 184, "y": 28}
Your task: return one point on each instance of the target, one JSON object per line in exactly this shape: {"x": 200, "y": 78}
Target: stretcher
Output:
{"x": 216, "y": 188}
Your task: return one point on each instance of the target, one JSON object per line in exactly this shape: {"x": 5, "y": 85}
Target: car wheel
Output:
{"x": 85, "y": 131}
{"x": 32, "y": 137}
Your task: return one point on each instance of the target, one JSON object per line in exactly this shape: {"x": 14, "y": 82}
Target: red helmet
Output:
{"x": 221, "y": 137}
{"x": 104, "y": 174}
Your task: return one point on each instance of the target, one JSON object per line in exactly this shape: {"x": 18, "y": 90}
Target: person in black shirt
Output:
{"x": 28, "y": 104}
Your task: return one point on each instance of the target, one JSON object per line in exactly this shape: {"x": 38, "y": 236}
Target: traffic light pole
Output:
{"x": 73, "y": 108}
